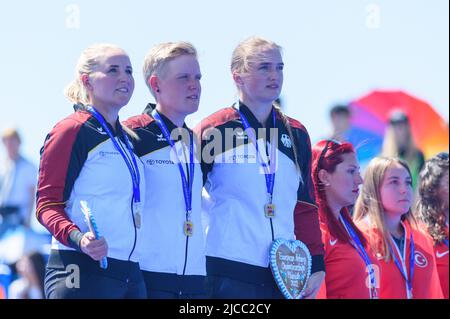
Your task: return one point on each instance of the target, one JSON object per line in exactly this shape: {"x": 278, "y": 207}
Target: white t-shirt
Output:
{"x": 17, "y": 179}
{"x": 21, "y": 287}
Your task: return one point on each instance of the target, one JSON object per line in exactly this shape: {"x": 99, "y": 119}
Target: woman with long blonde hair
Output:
{"x": 405, "y": 253}
{"x": 256, "y": 166}
{"x": 87, "y": 162}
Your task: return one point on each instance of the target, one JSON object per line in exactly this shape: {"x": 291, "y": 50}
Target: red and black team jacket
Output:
{"x": 239, "y": 234}
{"x": 79, "y": 162}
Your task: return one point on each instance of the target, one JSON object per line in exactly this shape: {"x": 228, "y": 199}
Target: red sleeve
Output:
{"x": 56, "y": 180}
{"x": 138, "y": 121}
{"x": 306, "y": 216}
{"x": 307, "y": 227}
{"x": 322, "y": 294}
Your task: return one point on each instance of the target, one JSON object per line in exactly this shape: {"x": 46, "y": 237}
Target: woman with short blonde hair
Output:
{"x": 173, "y": 260}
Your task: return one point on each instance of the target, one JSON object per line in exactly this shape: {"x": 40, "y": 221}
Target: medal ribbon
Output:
{"x": 363, "y": 254}
{"x": 269, "y": 170}
{"x": 187, "y": 186}
{"x": 409, "y": 280}
{"x": 132, "y": 167}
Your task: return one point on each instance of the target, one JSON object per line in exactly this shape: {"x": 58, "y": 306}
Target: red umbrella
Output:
{"x": 370, "y": 114}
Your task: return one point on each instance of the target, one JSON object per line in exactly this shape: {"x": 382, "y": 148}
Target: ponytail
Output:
{"x": 130, "y": 132}
{"x": 88, "y": 60}
{"x": 291, "y": 135}
{"x": 76, "y": 92}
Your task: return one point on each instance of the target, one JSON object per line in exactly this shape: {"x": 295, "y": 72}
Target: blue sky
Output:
{"x": 334, "y": 51}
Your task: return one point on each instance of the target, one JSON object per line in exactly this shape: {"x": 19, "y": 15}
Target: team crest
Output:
{"x": 286, "y": 140}
{"x": 240, "y": 135}
{"x": 420, "y": 259}
{"x": 161, "y": 138}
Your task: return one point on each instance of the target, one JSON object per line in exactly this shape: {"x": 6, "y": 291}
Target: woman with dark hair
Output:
{"x": 30, "y": 285}
{"x": 432, "y": 209}
{"x": 351, "y": 269}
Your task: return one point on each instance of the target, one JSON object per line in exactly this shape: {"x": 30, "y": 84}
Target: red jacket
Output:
{"x": 346, "y": 273}
{"x": 425, "y": 284}
{"x": 441, "y": 254}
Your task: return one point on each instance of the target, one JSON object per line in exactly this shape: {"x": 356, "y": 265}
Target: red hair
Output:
{"x": 327, "y": 154}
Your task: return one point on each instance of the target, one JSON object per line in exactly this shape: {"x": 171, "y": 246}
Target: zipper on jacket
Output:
{"x": 271, "y": 228}
{"x": 267, "y": 154}
{"x": 186, "y": 255}
{"x": 186, "y": 218}
{"x": 134, "y": 226}
{"x": 132, "y": 206}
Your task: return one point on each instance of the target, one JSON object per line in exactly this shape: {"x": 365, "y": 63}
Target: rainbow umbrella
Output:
{"x": 370, "y": 115}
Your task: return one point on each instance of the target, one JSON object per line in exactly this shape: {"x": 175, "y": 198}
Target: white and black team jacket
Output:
{"x": 239, "y": 234}
{"x": 168, "y": 252}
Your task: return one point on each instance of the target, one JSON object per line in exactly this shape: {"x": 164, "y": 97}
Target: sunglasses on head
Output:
{"x": 325, "y": 149}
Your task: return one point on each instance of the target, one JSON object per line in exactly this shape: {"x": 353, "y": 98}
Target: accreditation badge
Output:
{"x": 290, "y": 262}
{"x": 137, "y": 215}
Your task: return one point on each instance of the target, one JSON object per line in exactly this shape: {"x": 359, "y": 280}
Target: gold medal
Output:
{"x": 188, "y": 228}
{"x": 137, "y": 214}
{"x": 137, "y": 219}
{"x": 269, "y": 210}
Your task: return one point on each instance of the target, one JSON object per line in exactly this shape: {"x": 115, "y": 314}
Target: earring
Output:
{"x": 157, "y": 90}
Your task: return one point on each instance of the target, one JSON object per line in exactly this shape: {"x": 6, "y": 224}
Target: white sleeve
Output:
{"x": 16, "y": 289}
{"x": 31, "y": 174}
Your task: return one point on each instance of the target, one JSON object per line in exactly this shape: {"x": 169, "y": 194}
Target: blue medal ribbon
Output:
{"x": 269, "y": 170}
{"x": 409, "y": 281}
{"x": 445, "y": 241}
{"x": 187, "y": 185}
{"x": 363, "y": 254}
{"x": 132, "y": 167}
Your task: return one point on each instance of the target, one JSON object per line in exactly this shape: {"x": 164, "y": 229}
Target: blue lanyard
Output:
{"x": 409, "y": 281}
{"x": 362, "y": 253}
{"x": 268, "y": 173}
{"x": 187, "y": 186}
{"x": 132, "y": 167}
{"x": 446, "y": 240}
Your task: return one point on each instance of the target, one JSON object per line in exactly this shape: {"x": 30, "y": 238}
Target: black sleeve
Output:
{"x": 202, "y": 141}
{"x": 306, "y": 217}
